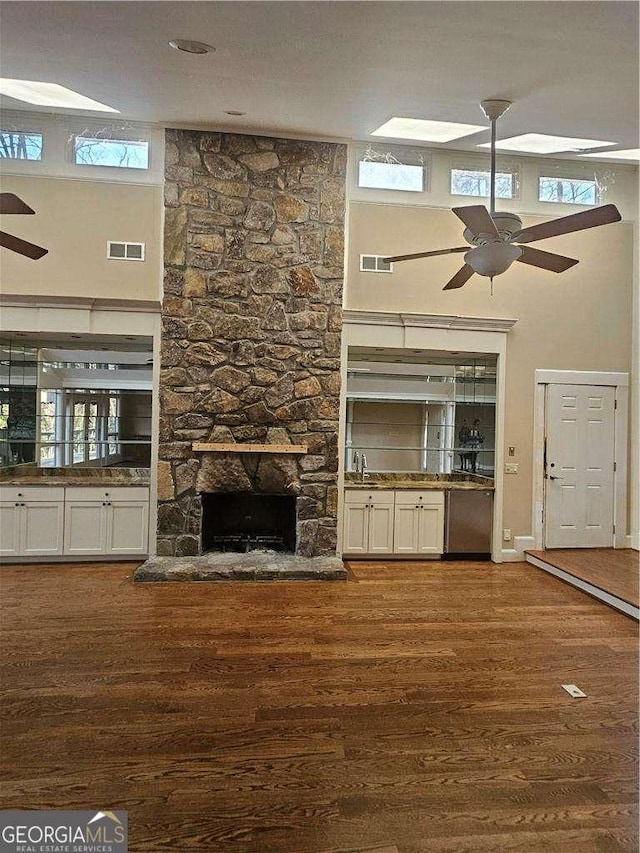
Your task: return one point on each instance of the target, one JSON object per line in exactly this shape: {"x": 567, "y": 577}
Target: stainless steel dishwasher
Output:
{"x": 468, "y": 522}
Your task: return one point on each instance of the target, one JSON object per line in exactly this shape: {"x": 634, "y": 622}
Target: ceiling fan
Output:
{"x": 496, "y": 236}
{"x": 10, "y": 203}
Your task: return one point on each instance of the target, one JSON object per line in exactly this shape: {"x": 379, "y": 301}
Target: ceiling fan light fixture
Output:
{"x": 493, "y": 258}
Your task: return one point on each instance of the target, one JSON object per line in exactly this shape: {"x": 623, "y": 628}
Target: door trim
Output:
{"x": 619, "y": 381}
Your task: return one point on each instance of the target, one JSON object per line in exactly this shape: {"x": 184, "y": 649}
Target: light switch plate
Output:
{"x": 574, "y": 691}
{"x": 511, "y": 468}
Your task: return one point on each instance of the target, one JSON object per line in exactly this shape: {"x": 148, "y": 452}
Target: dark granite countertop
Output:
{"x": 418, "y": 481}
{"x": 27, "y": 476}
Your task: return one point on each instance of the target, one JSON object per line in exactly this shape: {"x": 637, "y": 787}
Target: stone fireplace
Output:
{"x": 251, "y": 322}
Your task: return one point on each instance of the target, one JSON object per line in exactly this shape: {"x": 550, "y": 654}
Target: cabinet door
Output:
{"x": 407, "y": 520}
{"x": 381, "y": 527}
{"x": 10, "y": 517}
{"x": 85, "y": 527}
{"x": 430, "y": 529}
{"x": 127, "y": 527}
{"x": 356, "y": 527}
{"x": 42, "y": 528}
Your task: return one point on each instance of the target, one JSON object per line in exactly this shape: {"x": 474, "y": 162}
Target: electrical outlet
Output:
{"x": 506, "y": 535}
{"x": 511, "y": 468}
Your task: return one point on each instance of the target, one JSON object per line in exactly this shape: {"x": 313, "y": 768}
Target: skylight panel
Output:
{"x": 626, "y": 154}
{"x": 50, "y": 95}
{"x": 542, "y": 143}
{"x": 426, "y": 130}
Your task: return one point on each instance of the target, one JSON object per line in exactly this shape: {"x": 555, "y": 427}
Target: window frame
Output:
{"x": 512, "y": 173}
{"x": 572, "y": 176}
{"x": 84, "y": 134}
{"x": 24, "y": 132}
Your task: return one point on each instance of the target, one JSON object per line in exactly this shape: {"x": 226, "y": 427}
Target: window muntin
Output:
{"x": 376, "y": 175}
{"x": 114, "y": 153}
{"x": 20, "y": 145}
{"x": 568, "y": 190}
{"x": 477, "y": 182}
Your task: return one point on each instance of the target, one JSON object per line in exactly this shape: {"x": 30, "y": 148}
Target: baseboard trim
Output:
{"x": 520, "y": 545}
{"x": 595, "y": 591}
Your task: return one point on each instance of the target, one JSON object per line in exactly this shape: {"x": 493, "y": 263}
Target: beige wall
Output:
{"x": 74, "y": 220}
{"x": 579, "y": 320}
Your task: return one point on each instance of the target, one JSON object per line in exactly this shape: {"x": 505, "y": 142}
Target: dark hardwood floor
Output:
{"x": 414, "y": 709}
{"x": 615, "y": 570}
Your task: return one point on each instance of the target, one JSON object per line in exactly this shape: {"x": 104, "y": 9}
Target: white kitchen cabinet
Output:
{"x": 106, "y": 521}
{"x": 368, "y": 524}
{"x": 419, "y": 523}
{"x": 31, "y": 521}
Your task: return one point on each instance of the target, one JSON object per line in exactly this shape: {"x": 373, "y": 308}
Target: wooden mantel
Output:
{"x": 239, "y": 447}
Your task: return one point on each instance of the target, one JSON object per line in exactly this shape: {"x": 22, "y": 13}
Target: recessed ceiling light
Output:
{"x": 627, "y": 154}
{"x": 428, "y": 131}
{"x": 541, "y": 143}
{"x": 50, "y": 95}
{"x": 234, "y": 113}
{"x": 187, "y": 46}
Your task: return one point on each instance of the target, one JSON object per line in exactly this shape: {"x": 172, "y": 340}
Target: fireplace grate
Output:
{"x": 243, "y": 543}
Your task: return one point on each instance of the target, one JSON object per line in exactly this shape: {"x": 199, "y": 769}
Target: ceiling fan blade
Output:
{"x": 10, "y": 203}
{"x": 22, "y": 247}
{"x": 395, "y": 258}
{"x": 476, "y": 218}
{"x": 461, "y": 277}
{"x": 567, "y": 224}
{"x": 545, "y": 260}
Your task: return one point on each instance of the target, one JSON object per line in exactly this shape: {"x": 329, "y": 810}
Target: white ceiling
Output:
{"x": 340, "y": 69}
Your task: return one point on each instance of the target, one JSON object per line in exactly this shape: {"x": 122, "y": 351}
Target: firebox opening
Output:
{"x": 244, "y": 521}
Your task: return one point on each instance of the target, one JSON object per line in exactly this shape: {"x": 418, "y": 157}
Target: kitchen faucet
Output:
{"x": 363, "y": 466}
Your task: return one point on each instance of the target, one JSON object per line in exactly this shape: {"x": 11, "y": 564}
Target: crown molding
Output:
{"x": 427, "y": 321}
{"x": 21, "y": 300}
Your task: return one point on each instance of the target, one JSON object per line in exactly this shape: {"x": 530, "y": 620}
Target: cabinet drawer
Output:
{"x": 429, "y": 497}
{"x": 29, "y": 494}
{"x": 107, "y": 493}
{"x": 379, "y": 498}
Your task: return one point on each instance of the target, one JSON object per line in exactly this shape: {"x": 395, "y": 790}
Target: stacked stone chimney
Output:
{"x": 251, "y": 322}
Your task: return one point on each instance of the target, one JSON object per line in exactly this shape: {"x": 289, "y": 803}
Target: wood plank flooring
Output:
{"x": 615, "y": 570}
{"x": 414, "y": 708}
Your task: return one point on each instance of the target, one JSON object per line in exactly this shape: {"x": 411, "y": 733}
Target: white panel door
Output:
{"x": 10, "y": 515}
{"x": 85, "y": 527}
{"x": 42, "y": 528}
{"x": 579, "y": 472}
{"x": 127, "y": 527}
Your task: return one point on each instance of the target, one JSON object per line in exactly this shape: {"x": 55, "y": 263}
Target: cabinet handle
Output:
{"x": 19, "y": 494}
{"x": 17, "y": 504}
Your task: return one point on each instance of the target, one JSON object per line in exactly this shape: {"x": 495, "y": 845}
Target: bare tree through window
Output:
{"x": 20, "y": 145}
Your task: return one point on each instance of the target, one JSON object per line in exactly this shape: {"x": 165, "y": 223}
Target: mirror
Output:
{"x": 411, "y": 411}
{"x": 75, "y": 401}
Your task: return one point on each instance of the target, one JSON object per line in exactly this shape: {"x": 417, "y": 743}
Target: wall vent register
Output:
{"x": 375, "y": 263}
{"x": 125, "y": 251}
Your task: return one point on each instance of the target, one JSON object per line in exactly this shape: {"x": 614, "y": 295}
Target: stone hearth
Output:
{"x": 251, "y": 326}
{"x": 254, "y": 566}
